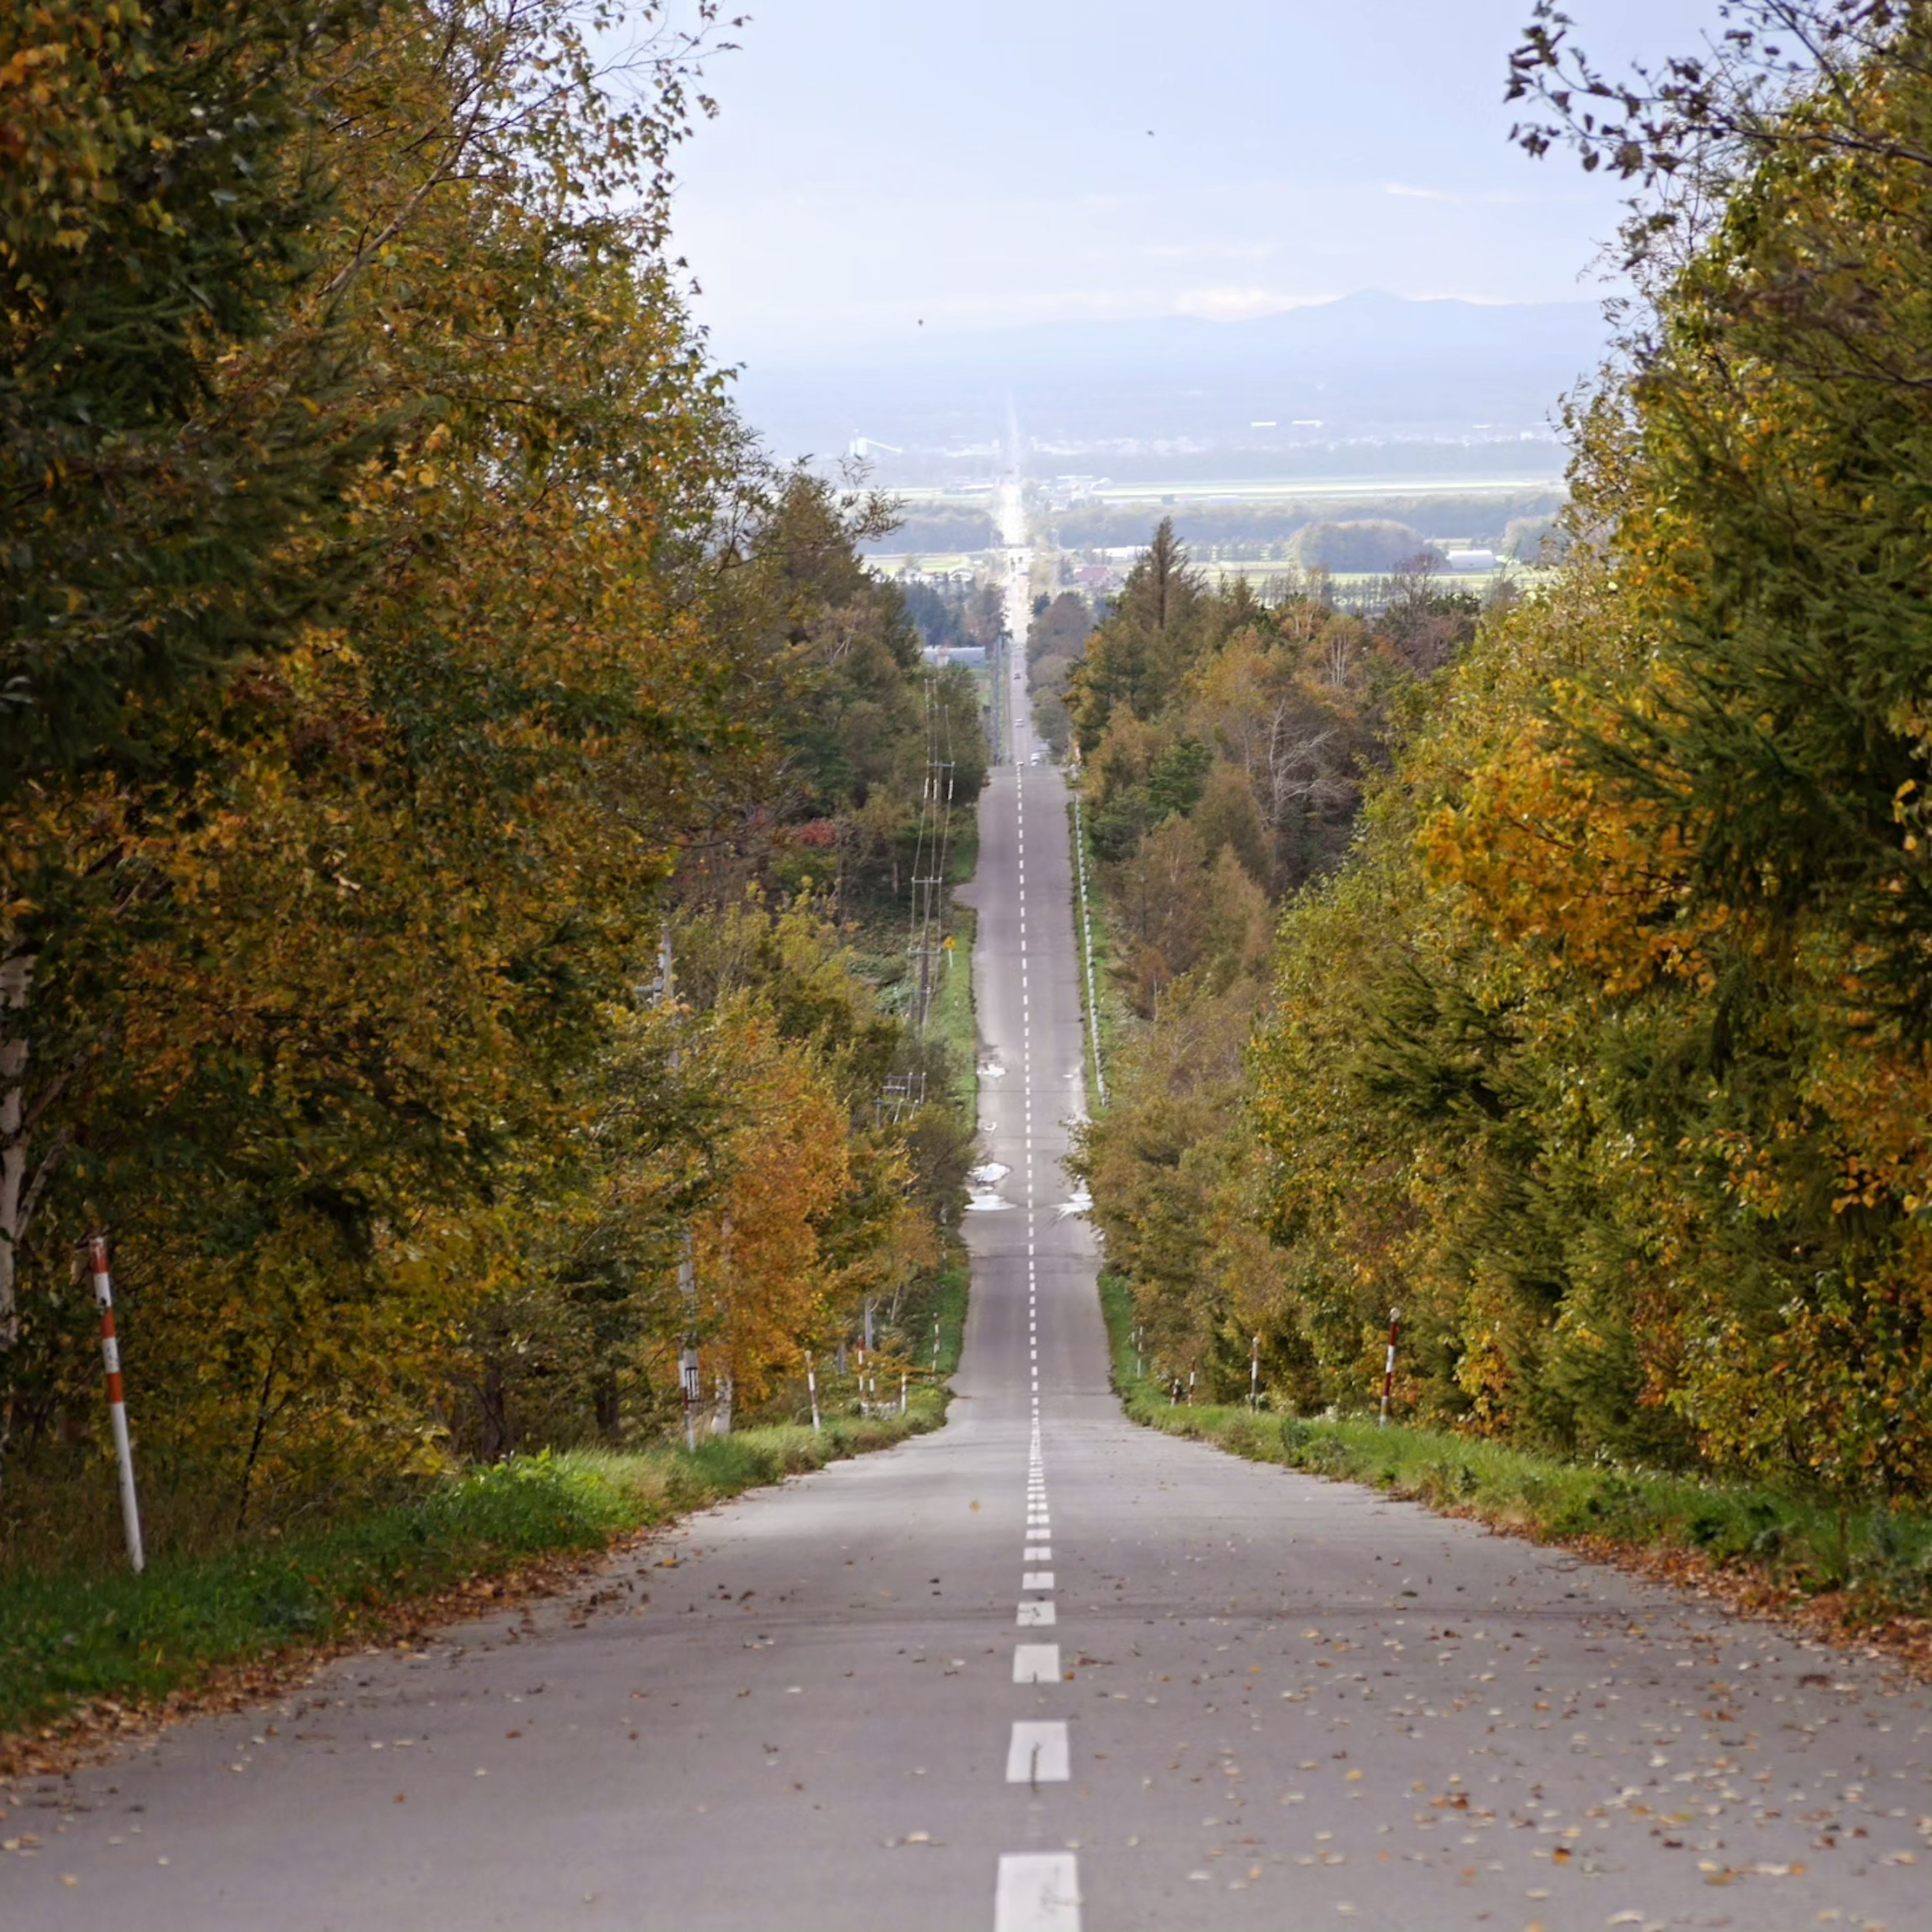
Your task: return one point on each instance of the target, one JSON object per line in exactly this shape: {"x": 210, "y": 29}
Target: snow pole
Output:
{"x": 811, "y": 1388}
{"x": 1255, "y": 1375}
{"x": 117, "y": 1402}
{"x": 1388, "y": 1367}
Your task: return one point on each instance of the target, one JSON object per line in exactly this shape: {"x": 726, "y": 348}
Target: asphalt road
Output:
{"x": 1040, "y": 1671}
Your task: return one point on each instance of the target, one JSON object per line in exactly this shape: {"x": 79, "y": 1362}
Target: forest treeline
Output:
{"x": 1563, "y": 977}
{"x": 1512, "y": 522}
{"x": 405, "y": 657}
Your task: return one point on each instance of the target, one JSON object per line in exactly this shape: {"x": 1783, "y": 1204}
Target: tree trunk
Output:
{"x": 605, "y": 1400}
{"x": 16, "y": 980}
{"x": 263, "y": 1413}
{"x": 496, "y": 1415}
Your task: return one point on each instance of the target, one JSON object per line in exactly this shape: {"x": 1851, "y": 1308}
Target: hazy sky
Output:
{"x": 881, "y": 161}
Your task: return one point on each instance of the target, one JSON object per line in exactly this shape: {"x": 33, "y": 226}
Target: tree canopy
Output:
{"x": 1603, "y": 1053}
{"x": 403, "y": 640}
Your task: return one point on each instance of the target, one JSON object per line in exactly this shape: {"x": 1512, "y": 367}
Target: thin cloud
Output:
{"x": 1206, "y": 251}
{"x": 1489, "y": 198}
{"x": 1236, "y": 305}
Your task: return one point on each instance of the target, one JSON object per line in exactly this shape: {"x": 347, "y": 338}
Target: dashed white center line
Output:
{"x": 1038, "y": 1891}
{"x": 1035, "y": 1663}
{"x": 1035, "y": 1892}
{"x": 1038, "y": 1753}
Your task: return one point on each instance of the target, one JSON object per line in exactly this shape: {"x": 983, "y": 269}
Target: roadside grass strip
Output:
{"x": 1865, "y": 1571}
{"x": 69, "y": 1642}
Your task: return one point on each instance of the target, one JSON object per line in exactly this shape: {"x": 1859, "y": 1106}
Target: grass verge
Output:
{"x": 1093, "y": 908}
{"x": 1855, "y": 1575}
{"x": 68, "y": 1643}
{"x": 947, "y": 1305}
{"x": 955, "y": 1021}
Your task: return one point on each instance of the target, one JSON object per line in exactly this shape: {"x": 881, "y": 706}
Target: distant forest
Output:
{"x": 945, "y": 529}
{"x": 949, "y": 617}
{"x": 1491, "y": 521}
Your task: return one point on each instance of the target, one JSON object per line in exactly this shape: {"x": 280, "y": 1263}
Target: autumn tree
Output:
{"x": 166, "y": 180}
{"x": 329, "y": 939}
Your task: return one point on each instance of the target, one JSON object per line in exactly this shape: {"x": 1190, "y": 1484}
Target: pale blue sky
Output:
{"x": 881, "y": 161}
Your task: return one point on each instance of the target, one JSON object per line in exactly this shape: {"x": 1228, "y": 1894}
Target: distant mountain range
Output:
{"x": 1369, "y": 381}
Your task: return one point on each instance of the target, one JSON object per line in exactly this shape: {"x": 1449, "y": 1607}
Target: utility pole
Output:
{"x": 931, "y": 886}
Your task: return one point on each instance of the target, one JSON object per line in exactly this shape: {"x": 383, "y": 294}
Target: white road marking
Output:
{"x": 1038, "y": 1614}
{"x": 1038, "y": 1753}
{"x": 1037, "y": 1580}
{"x": 1041, "y": 1552}
{"x": 1035, "y": 1663}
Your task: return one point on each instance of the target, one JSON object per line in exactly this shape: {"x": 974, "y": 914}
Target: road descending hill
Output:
{"x": 1041, "y": 1671}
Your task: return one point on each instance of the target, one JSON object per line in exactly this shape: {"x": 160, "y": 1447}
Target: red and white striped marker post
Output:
{"x": 1388, "y": 1368}
{"x": 117, "y": 1402}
